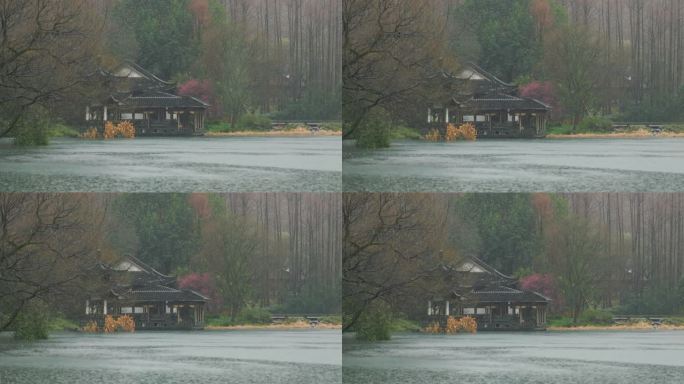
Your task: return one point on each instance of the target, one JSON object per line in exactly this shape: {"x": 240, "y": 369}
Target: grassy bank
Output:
{"x": 634, "y": 131}
{"x": 298, "y": 132}
{"x": 326, "y": 322}
{"x": 606, "y": 324}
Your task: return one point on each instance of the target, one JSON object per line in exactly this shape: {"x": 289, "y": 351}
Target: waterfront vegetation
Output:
{"x": 588, "y": 253}
{"x": 250, "y": 62}
{"x": 591, "y": 71}
{"x": 219, "y": 245}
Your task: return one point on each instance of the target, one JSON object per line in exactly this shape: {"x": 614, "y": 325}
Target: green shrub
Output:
{"x": 62, "y": 130}
{"x": 596, "y": 316}
{"x": 401, "y": 132}
{"x": 219, "y": 126}
{"x": 561, "y": 322}
{"x": 374, "y": 131}
{"x": 332, "y": 126}
{"x": 254, "y": 315}
{"x": 332, "y": 319}
{"x": 595, "y": 123}
{"x": 254, "y": 122}
{"x": 60, "y": 323}
{"x": 560, "y": 130}
{"x": 33, "y": 323}
{"x": 404, "y": 325}
{"x": 32, "y": 130}
{"x": 219, "y": 321}
{"x": 374, "y": 324}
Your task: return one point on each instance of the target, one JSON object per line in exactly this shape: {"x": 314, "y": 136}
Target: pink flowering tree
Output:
{"x": 203, "y": 90}
{"x": 545, "y": 284}
{"x": 545, "y": 92}
{"x": 203, "y": 283}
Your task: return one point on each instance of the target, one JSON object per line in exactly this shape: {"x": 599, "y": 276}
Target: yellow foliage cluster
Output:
{"x": 91, "y": 133}
{"x": 463, "y": 324}
{"x": 90, "y": 327}
{"x": 123, "y": 323}
{"x": 126, "y": 323}
{"x": 124, "y": 129}
{"x": 109, "y": 130}
{"x": 454, "y": 325}
{"x": 433, "y": 135}
{"x": 465, "y": 131}
{"x": 110, "y": 324}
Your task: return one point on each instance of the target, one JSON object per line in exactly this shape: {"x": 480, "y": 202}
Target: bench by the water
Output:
{"x": 314, "y": 320}
{"x": 280, "y": 125}
{"x": 655, "y": 128}
{"x": 655, "y": 320}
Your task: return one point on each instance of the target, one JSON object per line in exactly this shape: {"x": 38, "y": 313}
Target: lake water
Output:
{"x": 564, "y": 165}
{"x": 175, "y": 357}
{"x": 639, "y": 357}
{"x": 225, "y": 164}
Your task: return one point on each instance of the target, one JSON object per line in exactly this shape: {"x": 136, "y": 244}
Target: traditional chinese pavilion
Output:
{"x": 493, "y": 298}
{"x": 150, "y": 297}
{"x": 492, "y": 105}
{"x": 150, "y": 103}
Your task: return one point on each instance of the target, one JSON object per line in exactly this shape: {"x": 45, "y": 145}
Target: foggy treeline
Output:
{"x": 276, "y": 251}
{"x": 612, "y": 251}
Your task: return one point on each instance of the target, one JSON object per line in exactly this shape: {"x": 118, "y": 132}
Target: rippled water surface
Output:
{"x": 567, "y": 165}
{"x": 175, "y": 357}
{"x": 643, "y": 357}
{"x": 227, "y": 164}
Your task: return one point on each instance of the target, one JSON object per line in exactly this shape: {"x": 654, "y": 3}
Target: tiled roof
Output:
{"x": 158, "y": 99}
{"x": 158, "y": 293}
{"x": 503, "y": 102}
{"x": 506, "y": 294}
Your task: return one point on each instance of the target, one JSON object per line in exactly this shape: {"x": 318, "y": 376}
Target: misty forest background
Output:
{"x": 594, "y": 255}
{"x": 252, "y": 60}
{"x": 593, "y": 61}
{"x": 252, "y": 254}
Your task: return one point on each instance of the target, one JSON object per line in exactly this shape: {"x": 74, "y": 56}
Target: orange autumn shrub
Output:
{"x": 463, "y": 324}
{"x": 110, "y": 324}
{"x": 467, "y": 131}
{"x": 433, "y": 135}
{"x": 126, "y": 129}
{"x": 454, "y": 325}
{"x": 452, "y": 133}
{"x": 109, "y": 130}
{"x": 90, "y": 327}
{"x": 126, "y": 323}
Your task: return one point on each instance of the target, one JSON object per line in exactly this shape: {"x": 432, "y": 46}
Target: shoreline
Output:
{"x": 641, "y": 326}
{"x": 282, "y": 326}
{"x": 638, "y": 134}
{"x": 290, "y": 133}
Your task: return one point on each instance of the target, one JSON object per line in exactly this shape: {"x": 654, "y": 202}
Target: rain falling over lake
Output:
{"x": 308, "y": 356}
{"x": 564, "y": 165}
{"x": 609, "y": 357}
{"x": 225, "y": 164}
